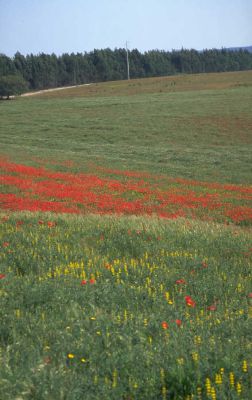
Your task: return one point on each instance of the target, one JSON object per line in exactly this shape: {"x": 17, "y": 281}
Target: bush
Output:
{"x": 11, "y": 85}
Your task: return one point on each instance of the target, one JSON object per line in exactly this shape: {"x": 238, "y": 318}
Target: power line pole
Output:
{"x": 127, "y": 53}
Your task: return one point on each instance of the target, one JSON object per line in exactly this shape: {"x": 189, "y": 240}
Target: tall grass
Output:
{"x": 97, "y": 307}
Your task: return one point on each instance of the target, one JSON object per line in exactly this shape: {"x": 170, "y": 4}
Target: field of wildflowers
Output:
{"x": 124, "y": 308}
{"x": 122, "y": 192}
{"x": 143, "y": 292}
{"x": 125, "y": 273}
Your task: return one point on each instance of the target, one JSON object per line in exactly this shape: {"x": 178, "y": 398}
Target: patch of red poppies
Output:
{"x": 40, "y": 189}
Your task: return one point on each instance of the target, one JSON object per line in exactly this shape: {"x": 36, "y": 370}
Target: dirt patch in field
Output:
{"x": 239, "y": 129}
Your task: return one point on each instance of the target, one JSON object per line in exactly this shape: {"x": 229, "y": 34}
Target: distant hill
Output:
{"x": 248, "y": 48}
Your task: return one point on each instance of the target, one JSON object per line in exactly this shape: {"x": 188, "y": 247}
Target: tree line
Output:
{"x": 44, "y": 71}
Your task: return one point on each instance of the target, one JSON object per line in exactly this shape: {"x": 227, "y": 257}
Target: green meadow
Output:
{"x": 128, "y": 307}
{"x": 197, "y": 127}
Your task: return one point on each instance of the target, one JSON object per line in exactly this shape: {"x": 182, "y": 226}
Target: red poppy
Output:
{"x": 178, "y": 322}
{"x": 6, "y": 244}
{"x": 181, "y": 282}
{"x": 212, "y": 307}
{"x": 41, "y": 222}
{"x": 50, "y": 224}
{"x": 83, "y": 282}
{"x": 250, "y": 295}
{"x": 18, "y": 223}
{"x": 164, "y": 325}
{"x": 92, "y": 281}
{"x": 189, "y": 301}
{"x": 2, "y": 276}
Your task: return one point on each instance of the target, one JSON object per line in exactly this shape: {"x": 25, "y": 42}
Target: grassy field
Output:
{"x": 126, "y": 247}
{"x": 199, "y": 129}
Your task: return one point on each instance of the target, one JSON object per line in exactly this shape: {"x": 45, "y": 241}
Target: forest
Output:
{"x": 44, "y": 71}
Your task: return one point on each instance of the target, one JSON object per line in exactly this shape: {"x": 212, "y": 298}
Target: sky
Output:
{"x": 66, "y": 26}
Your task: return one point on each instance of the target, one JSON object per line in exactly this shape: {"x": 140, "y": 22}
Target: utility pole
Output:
{"x": 127, "y": 53}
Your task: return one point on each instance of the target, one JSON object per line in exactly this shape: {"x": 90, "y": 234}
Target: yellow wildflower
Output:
{"x": 238, "y": 388}
{"x": 245, "y": 366}
{"x": 231, "y": 378}
{"x": 218, "y": 379}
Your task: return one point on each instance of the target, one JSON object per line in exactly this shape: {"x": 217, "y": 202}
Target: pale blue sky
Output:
{"x": 35, "y": 26}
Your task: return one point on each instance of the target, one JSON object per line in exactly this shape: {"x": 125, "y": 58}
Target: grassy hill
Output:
{"x": 125, "y": 236}
{"x": 195, "y": 126}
